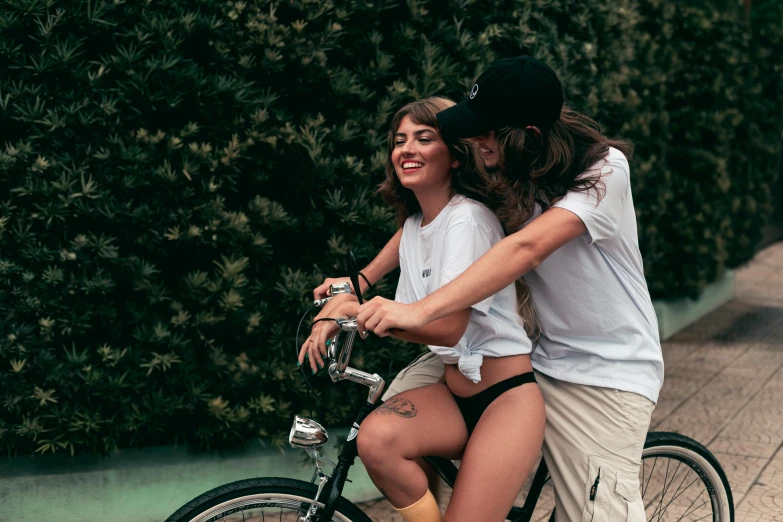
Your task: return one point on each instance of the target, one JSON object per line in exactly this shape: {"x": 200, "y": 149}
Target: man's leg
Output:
{"x": 593, "y": 446}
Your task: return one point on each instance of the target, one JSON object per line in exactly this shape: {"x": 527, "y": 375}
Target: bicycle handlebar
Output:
{"x": 338, "y": 288}
{"x": 338, "y": 364}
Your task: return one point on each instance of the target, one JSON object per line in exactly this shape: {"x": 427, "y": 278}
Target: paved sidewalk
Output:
{"x": 724, "y": 388}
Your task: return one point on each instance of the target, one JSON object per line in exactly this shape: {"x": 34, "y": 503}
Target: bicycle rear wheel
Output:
{"x": 260, "y": 500}
{"x": 681, "y": 480}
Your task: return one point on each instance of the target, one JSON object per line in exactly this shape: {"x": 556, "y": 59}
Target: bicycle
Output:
{"x": 670, "y": 495}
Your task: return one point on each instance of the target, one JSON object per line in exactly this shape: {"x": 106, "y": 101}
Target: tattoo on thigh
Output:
{"x": 399, "y": 407}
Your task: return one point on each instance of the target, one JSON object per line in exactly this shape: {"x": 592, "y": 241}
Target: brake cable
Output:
{"x": 304, "y": 373}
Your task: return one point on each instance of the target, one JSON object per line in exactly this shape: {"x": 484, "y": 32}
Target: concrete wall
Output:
{"x": 144, "y": 485}
{"x": 676, "y": 314}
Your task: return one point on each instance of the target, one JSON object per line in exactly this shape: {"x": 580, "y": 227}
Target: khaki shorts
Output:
{"x": 589, "y": 430}
{"x": 426, "y": 369}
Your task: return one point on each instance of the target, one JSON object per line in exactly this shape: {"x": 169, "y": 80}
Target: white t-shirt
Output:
{"x": 433, "y": 255}
{"x": 598, "y": 323}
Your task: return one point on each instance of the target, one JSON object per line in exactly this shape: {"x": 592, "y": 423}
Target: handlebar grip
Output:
{"x": 337, "y": 288}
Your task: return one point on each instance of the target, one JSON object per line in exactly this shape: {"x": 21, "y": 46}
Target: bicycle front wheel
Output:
{"x": 681, "y": 480}
{"x": 259, "y": 500}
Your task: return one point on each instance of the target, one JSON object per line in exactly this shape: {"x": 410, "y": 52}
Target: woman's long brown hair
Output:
{"x": 544, "y": 169}
{"x": 468, "y": 179}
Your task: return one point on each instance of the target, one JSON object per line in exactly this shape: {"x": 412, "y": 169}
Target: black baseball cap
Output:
{"x": 514, "y": 92}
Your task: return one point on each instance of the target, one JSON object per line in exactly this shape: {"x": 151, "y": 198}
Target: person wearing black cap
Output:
{"x": 514, "y": 92}
{"x": 566, "y": 191}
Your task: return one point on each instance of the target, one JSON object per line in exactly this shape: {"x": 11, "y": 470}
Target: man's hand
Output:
{"x": 380, "y": 315}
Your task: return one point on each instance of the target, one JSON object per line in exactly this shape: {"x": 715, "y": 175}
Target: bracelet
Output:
{"x": 369, "y": 284}
{"x": 323, "y": 319}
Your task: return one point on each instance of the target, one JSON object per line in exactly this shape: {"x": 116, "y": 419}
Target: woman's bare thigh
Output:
{"x": 420, "y": 422}
{"x": 501, "y": 452}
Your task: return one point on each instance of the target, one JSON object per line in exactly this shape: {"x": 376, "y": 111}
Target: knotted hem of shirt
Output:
{"x": 470, "y": 366}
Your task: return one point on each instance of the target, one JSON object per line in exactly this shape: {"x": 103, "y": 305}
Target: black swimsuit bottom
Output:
{"x": 473, "y": 407}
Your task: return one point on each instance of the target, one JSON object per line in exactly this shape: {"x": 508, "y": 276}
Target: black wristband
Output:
{"x": 369, "y": 284}
{"x": 323, "y": 319}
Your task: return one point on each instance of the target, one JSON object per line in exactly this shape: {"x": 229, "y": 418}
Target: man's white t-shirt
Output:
{"x": 597, "y": 320}
{"x": 435, "y": 254}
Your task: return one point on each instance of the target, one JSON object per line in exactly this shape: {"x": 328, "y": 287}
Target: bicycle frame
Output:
{"x": 333, "y": 488}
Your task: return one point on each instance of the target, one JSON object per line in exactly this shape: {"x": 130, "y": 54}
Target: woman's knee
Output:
{"x": 378, "y": 441}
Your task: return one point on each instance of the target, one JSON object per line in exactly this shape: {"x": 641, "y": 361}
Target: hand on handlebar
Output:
{"x": 314, "y": 347}
{"x": 380, "y": 316}
{"x": 322, "y": 290}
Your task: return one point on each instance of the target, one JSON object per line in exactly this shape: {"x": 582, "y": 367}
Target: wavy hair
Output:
{"x": 543, "y": 169}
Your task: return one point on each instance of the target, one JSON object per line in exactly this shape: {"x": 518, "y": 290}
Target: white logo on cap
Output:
{"x": 474, "y": 91}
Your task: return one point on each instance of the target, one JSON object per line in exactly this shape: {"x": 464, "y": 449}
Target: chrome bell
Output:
{"x": 306, "y": 434}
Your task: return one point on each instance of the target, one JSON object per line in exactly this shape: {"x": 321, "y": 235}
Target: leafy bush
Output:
{"x": 177, "y": 176}
{"x": 707, "y": 138}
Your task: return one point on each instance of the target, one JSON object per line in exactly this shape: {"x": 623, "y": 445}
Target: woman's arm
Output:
{"x": 504, "y": 263}
{"x": 387, "y": 260}
{"x": 446, "y": 331}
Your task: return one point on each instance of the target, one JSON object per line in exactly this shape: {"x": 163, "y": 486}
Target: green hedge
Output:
{"x": 177, "y": 176}
{"x": 708, "y": 137}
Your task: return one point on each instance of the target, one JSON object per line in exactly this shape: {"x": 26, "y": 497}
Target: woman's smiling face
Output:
{"x": 421, "y": 158}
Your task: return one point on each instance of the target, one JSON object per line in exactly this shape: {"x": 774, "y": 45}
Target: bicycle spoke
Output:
{"x": 702, "y": 518}
{"x": 684, "y": 490}
{"x": 689, "y": 511}
{"x": 650, "y": 477}
{"x": 674, "y": 476}
{"x": 667, "y": 487}
{"x": 663, "y": 494}
{"x": 674, "y": 497}
{"x": 678, "y": 492}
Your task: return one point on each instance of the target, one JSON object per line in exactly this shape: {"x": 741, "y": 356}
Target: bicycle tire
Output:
{"x": 700, "y": 460}
{"x": 247, "y": 494}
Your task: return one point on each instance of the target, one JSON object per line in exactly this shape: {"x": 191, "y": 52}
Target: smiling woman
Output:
{"x": 420, "y": 158}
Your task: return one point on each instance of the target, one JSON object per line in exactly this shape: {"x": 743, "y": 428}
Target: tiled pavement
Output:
{"x": 724, "y": 388}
